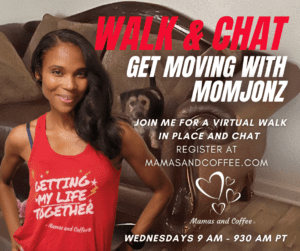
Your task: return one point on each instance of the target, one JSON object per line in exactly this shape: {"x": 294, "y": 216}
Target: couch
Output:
{"x": 188, "y": 201}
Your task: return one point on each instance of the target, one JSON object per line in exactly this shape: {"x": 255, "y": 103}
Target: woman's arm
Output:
{"x": 14, "y": 146}
{"x": 135, "y": 152}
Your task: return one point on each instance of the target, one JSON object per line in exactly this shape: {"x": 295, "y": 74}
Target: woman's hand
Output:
{"x": 136, "y": 153}
{"x": 16, "y": 246}
{"x": 124, "y": 247}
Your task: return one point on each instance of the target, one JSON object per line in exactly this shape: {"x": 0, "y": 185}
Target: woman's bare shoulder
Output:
{"x": 127, "y": 131}
{"x": 132, "y": 143}
{"x": 125, "y": 127}
{"x": 18, "y": 137}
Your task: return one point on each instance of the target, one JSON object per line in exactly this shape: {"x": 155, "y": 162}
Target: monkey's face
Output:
{"x": 147, "y": 103}
{"x": 137, "y": 107}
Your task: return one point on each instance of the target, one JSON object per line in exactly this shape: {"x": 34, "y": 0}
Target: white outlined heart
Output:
{"x": 236, "y": 195}
{"x": 229, "y": 181}
{"x": 209, "y": 181}
{"x": 218, "y": 208}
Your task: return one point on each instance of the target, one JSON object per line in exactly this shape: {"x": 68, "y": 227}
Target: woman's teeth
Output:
{"x": 66, "y": 99}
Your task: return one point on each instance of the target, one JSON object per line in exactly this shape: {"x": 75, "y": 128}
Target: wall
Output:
{"x": 281, "y": 180}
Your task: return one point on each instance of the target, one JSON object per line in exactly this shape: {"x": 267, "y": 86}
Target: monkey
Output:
{"x": 145, "y": 103}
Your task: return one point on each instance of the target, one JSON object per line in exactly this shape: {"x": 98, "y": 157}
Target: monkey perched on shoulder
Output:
{"x": 146, "y": 103}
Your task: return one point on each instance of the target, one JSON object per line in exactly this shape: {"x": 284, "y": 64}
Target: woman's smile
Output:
{"x": 66, "y": 98}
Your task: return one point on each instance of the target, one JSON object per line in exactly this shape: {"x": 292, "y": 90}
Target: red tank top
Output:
{"x": 72, "y": 201}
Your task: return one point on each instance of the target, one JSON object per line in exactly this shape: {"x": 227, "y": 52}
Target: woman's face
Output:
{"x": 64, "y": 77}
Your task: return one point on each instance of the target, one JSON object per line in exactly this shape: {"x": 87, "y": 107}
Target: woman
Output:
{"x": 76, "y": 155}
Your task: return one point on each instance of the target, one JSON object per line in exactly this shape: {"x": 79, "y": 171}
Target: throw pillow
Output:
{"x": 51, "y": 23}
{"x": 15, "y": 81}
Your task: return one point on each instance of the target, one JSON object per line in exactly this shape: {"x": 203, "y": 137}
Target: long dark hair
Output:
{"x": 94, "y": 122}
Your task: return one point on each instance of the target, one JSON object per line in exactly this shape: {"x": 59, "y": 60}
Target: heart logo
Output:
{"x": 218, "y": 208}
{"x": 236, "y": 195}
{"x": 209, "y": 181}
{"x": 229, "y": 181}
